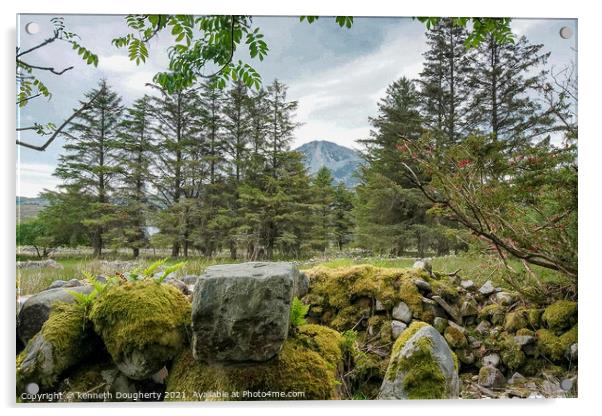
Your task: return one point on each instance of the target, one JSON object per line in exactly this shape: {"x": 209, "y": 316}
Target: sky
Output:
{"x": 337, "y": 75}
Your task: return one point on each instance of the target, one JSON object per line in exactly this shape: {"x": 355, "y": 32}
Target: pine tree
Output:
{"x": 389, "y": 211}
{"x": 178, "y": 161}
{"x": 89, "y": 163}
{"x": 444, "y": 80}
{"x": 280, "y": 125}
{"x": 342, "y": 218}
{"x": 503, "y": 82}
{"x": 134, "y": 157}
{"x": 323, "y": 192}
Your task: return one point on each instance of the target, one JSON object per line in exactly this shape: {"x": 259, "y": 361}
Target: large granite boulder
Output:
{"x": 36, "y": 309}
{"x": 421, "y": 367}
{"x": 240, "y": 312}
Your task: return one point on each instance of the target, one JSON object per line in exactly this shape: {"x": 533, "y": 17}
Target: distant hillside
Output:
{"x": 28, "y": 207}
{"x": 342, "y": 161}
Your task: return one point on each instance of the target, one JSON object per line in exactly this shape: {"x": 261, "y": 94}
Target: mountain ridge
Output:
{"x": 342, "y": 161}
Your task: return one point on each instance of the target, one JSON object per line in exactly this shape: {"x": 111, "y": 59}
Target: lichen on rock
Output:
{"x": 421, "y": 366}
{"x": 143, "y": 325}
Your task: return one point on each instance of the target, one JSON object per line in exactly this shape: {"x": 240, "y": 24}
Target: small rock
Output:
{"x": 483, "y": 327}
{"x": 517, "y": 378}
{"x": 180, "y": 285}
{"x": 467, "y": 284}
{"x": 73, "y": 283}
{"x": 423, "y": 264}
{"x": 487, "y": 289}
{"x": 190, "y": 279}
{"x": 455, "y": 337}
{"x": 469, "y": 308}
{"x": 402, "y": 312}
{"x": 466, "y": 356}
{"x": 379, "y": 307}
{"x": 490, "y": 376}
{"x": 101, "y": 279}
{"x": 573, "y": 352}
{"x": 36, "y": 309}
{"x": 491, "y": 360}
{"x": 397, "y": 328}
{"x": 56, "y": 284}
{"x": 440, "y": 324}
{"x": 455, "y": 315}
{"x": 504, "y": 298}
{"x": 160, "y": 376}
{"x": 523, "y": 340}
{"x": 423, "y": 286}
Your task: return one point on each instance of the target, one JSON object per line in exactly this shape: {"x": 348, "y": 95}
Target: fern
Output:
{"x": 298, "y": 312}
{"x": 171, "y": 269}
{"x": 150, "y": 270}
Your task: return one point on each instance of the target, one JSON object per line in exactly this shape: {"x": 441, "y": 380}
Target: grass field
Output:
{"x": 476, "y": 268}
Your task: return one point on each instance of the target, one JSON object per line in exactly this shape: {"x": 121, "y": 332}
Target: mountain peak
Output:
{"x": 342, "y": 161}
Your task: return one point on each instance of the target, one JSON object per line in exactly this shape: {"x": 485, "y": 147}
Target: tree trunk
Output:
{"x": 135, "y": 252}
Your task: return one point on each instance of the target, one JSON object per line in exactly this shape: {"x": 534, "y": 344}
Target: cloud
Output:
{"x": 32, "y": 178}
{"x": 335, "y": 104}
{"x": 117, "y": 63}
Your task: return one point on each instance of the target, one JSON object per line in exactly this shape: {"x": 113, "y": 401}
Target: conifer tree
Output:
{"x": 342, "y": 218}
{"x": 176, "y": 178}
{"x": 323, "y": 192}
{"x": 134, "y": 156}
{"x": 444, "y": 79}
{"x": 504, "y": 82}
{"x": 89, "y": 163}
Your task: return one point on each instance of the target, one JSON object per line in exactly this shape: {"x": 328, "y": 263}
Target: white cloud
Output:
{"x": 32, "y": 178}
{"x": 335, "y": 103}
{"x": 117, "y": 63}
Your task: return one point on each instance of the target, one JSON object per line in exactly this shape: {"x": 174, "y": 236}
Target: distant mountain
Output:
{"x": 342, "y": 161}
{"x": 28, "y": 207}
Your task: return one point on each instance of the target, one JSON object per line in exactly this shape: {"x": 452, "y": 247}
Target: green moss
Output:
{"x": 560, "y": 315}
{"x": 534, "y": 318}
{"x": 454, "y": 337}
{"x": 512, "y": 354}
{"x": 423, "y": 379}
{"x": 525, "y": 332}
{"x": 405, "y": 337}
{"x": 555, "y": 347}
{"x": 307, "y": 363}
{"x": 445, "y": 289}
{"x": 325, "y": 341}
{"x": 516, "y": 320}
{"x": 344, "y": 290}
{"x": 494, "y": 312}
{"x": 64, "y": 340}
{"x": 145, "y": 316}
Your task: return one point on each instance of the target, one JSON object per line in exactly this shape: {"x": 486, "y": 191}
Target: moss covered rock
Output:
{"x": 516, "y": 320}
{"x": 64, "y": 340}
{"x": 339, "y": 292}
{"x": 560, "y": 315}
{"x": 555, "y": 347}
{"x": 421, "y": 366}
{"x": 494, "y": 312}
{"x": 455, "y": 337}
{"x": 143, "y": 325}
{"x": 308, "y": 363}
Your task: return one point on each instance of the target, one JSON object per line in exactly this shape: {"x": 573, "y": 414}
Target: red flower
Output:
{"x": 463, "y": 163}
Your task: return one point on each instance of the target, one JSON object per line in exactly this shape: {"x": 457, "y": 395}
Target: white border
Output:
{"x": 590, "y": 385}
